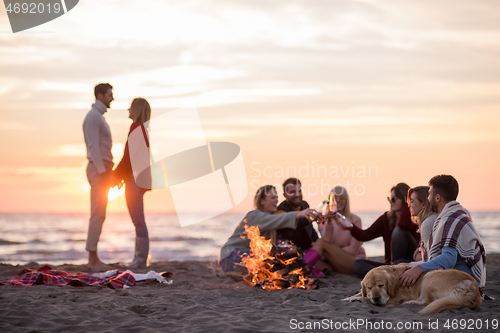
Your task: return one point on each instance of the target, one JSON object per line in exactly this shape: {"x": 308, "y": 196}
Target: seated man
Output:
{"x": 454, "y": 241}
{"x": 305, "y": 234}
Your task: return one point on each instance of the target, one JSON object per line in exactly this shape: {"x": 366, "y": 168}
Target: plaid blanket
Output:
{"x": 47, "y": 276}
{"x": 454, "y": 228}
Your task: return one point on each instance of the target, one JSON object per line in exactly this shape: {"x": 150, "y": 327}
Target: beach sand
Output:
{"x": 203, "y": 299}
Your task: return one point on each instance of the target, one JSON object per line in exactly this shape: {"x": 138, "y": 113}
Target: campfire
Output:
{"x": 274, "y": 267}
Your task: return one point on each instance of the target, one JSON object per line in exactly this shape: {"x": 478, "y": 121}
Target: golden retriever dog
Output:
{"x": 437, "y": 289}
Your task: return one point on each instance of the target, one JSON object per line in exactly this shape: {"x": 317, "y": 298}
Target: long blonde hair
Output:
{"x": 340, "y": 191}
{"x": 422, "y": 194}
{"x": 140, "y": 110}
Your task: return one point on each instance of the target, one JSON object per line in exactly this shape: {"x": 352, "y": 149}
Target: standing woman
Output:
{"x": 139, "y": 112}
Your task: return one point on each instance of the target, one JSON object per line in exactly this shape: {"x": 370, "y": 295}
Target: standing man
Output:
{"x": 454, "y": 241}
{"x": 98, "y": 141}
{"x": 305, "y": 234}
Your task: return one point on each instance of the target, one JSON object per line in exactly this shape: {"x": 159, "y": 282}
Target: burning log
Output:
{"x": 293, "y": 278}
{"x": 274, "y": 267}
{"x": 286, "y": 269}
{"x": 274, "y": 284}
{"x": 284, "y": 253}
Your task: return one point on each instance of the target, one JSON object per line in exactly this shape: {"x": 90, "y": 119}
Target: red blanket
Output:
{"x": 46, "y": 275}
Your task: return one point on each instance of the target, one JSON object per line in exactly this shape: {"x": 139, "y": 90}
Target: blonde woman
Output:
{"x": 139, "y": 112}
{"x": 338, "y": 235}
{"x": 340, "y": 248}
{"x": 423, "y": 215}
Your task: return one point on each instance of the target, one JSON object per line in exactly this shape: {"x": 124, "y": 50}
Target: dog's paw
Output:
{"x": 354, "y": 298}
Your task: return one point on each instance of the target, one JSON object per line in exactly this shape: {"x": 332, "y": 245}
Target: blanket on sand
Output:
{"x": 113, "y": 279}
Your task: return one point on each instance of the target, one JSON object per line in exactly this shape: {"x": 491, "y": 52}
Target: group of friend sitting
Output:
{"x": 425, "y": 227}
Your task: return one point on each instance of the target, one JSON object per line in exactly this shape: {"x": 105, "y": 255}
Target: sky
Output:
{"x": 363, "y": 94}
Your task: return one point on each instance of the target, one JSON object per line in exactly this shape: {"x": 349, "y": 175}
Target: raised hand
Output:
{"x": 307, "y": 213}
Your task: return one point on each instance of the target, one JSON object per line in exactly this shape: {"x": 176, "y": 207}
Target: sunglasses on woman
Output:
{"x": 393, "y": 200}
{"x": 340, "y": 199}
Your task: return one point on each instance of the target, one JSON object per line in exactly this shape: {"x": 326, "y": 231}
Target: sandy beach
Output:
{"x": 202, "y": 299}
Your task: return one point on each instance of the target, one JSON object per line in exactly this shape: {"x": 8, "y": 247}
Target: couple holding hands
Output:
{"x": 101, "y": 176}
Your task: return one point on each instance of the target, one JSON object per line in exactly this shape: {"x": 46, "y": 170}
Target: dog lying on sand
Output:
{"x": 438, "y": 290}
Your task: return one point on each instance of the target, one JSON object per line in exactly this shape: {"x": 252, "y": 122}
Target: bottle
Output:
{"x": 321, "y": 211}
{"x": 320, "y": 206}
{"x": 332, "y": 203}
{"x": 343, "y": 220}
{"x": 324, "y": 208}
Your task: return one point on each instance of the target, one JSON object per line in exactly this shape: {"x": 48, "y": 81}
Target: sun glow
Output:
{"x": 115, "y": 192}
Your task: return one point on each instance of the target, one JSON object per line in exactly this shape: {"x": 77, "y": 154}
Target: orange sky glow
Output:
{"x": 363, "y": 94}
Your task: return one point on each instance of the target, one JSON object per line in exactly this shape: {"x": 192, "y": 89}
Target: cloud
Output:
{"x": 80, "y": 150}
{"x": 42, "y": 171}
{"x": 263, "y": 63}
{"x": 16, "y": 126}
{"x": 207, "y": 51}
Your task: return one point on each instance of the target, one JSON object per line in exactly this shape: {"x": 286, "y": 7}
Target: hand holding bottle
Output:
{"x": 319, "y": 213}
{"x": 342, "y": 221}
{"x": 307, "y": 213}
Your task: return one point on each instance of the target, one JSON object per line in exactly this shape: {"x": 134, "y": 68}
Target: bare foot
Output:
{"x": 98, "y": 266}
{"x": 95, "y": 264}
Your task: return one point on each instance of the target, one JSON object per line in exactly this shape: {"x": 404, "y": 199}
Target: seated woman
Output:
{"x": 423, "y": 215}
{"x": 338, "y": 246}
{"x": 266, "y": 201}
{"x": 395, "y": 227}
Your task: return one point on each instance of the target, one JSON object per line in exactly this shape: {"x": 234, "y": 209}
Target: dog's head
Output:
{"x": 382, "y": 283}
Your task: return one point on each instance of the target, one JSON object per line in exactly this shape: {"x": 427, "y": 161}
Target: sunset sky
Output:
{"x": 402, "y": 90}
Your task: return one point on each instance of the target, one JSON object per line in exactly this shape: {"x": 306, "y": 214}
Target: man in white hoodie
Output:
{"x": 98, "y": 141}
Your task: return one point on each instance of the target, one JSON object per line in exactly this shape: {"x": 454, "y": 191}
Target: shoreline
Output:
{"x": 201, "y": 299}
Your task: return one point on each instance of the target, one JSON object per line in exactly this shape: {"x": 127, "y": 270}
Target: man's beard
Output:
{"x": 294, "y": 205}
{"x": 433, "y": 205}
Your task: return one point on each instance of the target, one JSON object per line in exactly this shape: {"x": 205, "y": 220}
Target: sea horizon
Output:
{"x": 59, "y": 238}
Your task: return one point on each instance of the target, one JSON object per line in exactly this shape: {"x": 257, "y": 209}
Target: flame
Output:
{"x": 260, "y": 265}
{"x": 115, "y": 192}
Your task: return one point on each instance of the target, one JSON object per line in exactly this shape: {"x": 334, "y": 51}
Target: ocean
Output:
{"x": 60, "y": 238}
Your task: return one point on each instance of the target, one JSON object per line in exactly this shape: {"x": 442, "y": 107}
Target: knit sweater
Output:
{"x": 97, "y": 137}
{"x": 343, "y": 238}
{"x": 266, "y": 223}
{"x": 425, "y": 232}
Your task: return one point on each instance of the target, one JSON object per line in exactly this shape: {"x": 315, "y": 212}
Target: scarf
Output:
{"x": 454, "y": 228}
